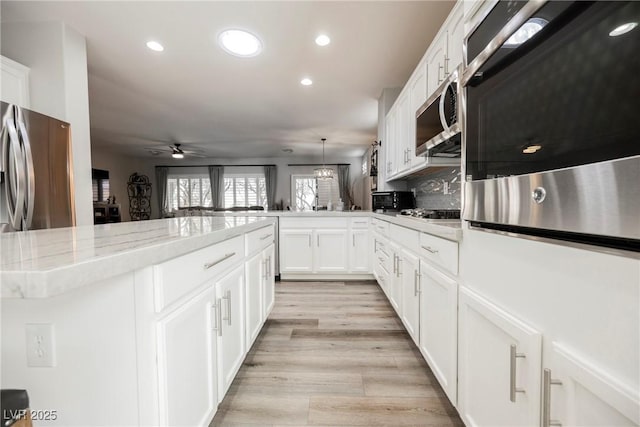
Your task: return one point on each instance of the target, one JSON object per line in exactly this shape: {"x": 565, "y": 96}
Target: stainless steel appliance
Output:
{"x": 36, "y": 185}
{"x": 392, "y": 200}
{"x": 437, "y": 124}
{"x": 552, "y": 94}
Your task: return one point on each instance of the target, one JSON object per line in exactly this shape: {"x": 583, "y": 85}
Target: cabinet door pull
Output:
{"x": 353, "y": 239}
{"x": 219, "y": 317}
{"x": 264, "y": 269}
{"x": 446, "y": 65}
{"x": 512, "y": 373}
{"x": 266, "y": 236}
{"x": 546, "y": 399}
{"x": 269, "y": 267}
{"x": 216, "y": 262}
{"x": 440, "y": 67}
{"x": 399, "y": 272}
{"x": 227, "y": 296}
{"x": 214, "y": 317}
{"x": 430, "y": 249}
{"x": 318, "y": 239}
{"x": 395, "y": 265}
{"x": 416, "y": 283}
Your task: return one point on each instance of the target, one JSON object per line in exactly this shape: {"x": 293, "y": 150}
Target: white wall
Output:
{"x": 120, "y": 167}
{"x": 56, "y": 55}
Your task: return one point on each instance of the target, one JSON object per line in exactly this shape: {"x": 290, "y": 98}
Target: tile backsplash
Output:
{"x": 438, "y": 190}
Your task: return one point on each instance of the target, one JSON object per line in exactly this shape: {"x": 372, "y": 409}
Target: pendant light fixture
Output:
{"x": 324, "y": 172}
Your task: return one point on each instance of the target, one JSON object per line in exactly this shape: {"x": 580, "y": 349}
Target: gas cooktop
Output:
{"x": 431, "y": 213}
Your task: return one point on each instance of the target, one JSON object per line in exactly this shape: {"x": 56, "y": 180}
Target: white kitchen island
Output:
{"x": 139, "y": 323}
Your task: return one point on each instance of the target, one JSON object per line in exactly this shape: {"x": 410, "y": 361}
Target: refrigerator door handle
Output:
{"x": 29, "y": 172}
{"x": 13, "y": 161}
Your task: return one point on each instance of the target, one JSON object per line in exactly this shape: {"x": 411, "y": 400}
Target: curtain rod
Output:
{"x": 204, "y": 166}
{"x": 319, "y": 164}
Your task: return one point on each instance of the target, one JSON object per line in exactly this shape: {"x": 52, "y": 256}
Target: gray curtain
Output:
{"x": 216, "y": 178}
{"x": 162, "y": 172}
{"x": 344, "y": 185}
{"x": 270, "y": 174}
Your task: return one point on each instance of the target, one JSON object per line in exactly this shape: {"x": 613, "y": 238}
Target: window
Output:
{"x": 100, "y": 184}
{"x": 245, "y": 190}
{"x": 305, "y": 189}
{"x": 188, "y": 191}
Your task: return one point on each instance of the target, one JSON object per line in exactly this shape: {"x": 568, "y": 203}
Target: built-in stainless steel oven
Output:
{"x": 552, "y": 138}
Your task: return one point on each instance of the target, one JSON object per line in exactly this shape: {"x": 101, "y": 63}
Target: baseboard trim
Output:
{"x": 316, "y": 277}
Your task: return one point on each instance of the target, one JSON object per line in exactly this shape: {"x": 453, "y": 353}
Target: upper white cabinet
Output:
{"x": 15, "y": 82}
{"x": 445, "y": 52}
{"x": 436, "y": 57}
{"x": 499, "y": 365}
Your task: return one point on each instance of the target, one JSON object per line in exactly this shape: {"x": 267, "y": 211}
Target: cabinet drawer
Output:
{"x": 442, "y": 252}
{"x": 259, "y": 239}
{"x": 405, "y": 237}
{"x": 359, "y": 222}
{"x": 381, "y": 227}
{"x": 313, "y": 222}
{"x": 175, "y": 278}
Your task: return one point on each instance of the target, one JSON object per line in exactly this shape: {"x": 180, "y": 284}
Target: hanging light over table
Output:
{"x": 324, "y": 172}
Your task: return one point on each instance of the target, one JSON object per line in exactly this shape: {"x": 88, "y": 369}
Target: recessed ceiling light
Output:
{"x": 240, "y": 43}
{"x": 623, "y": 29}
{"x": 323, "y": 40}
{"x": 153, "y": 45}
{"x": 306, "y": 81}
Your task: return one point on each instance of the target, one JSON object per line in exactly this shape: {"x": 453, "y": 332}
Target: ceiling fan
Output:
{"x": 176, "y": 150}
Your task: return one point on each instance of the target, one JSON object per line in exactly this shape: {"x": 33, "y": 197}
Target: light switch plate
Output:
{"x": 40, "y": 345}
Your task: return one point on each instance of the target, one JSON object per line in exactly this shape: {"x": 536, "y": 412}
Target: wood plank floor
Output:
{"x": 334, "y": 354}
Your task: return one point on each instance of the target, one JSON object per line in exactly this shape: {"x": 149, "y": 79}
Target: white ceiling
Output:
{"x": 196, "y": 94}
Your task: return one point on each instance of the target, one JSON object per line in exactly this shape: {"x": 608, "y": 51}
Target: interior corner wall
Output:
{"x": 120, "y": 167}
{"x": 58, "y": 87}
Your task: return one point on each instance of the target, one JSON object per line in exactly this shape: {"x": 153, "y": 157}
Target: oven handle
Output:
{"x": 527, "y": 11}
{"x": 453, "y": 77}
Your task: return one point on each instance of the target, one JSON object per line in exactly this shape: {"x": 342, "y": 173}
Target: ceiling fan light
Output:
{"x": 177, "y": 155}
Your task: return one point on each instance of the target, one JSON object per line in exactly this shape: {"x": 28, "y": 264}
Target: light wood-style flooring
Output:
{"x": 334, "y": 354}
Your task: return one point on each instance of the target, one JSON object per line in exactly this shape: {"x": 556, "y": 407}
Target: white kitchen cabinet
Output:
{"x": 296, "y": 251}
{"x": 455, "y": 38}
{"x": 231, "y": 337}
{"x": 15, "y": 82}
{"x": 330, "y": 255}
{"x": 381, "y": 260}
{"x": 255, "y": 273}
{"x": 439, "y": 326}
{"x": 359, "y": 255}
{"x": 186, "y": 358}
{"x": 392, "y": 142}
{"x": 417, "y": 97}
{"x": 577, "y": 392}
{"x": 409, "y": 267}
{"x": 395, "y": 282}
{"x": 445, "y": 52}
{"x": 436, "y": 55}
{"x": 499, "y": 365}
{"x": 269, "y": 282}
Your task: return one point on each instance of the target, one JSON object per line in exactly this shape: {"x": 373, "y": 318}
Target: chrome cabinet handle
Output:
{"x": 446, "y": 65}
{"x": 546, "y": 399}
{"x": 395, "y": 264}
{"x": 430, "y": 249}
{"x": 264, "y": 269}
{"x": 512, "y": 373}
{"x": 214, "y": 317}
{"x": 399, "y": 272}
{"x": 216, "y": 262}
{"x": 227, "y": 297}
{"x": 266, "y": 236}
{"x": 353, "y": 239}
{"x": 269, "y": 267}
{"x": 440, "y": 67}
{"x": 219, "y": 317}
{"x": 416, "y": 283}
{"x": 30, "y": 173}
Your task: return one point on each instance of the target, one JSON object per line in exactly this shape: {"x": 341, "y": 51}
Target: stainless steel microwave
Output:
{"x": 437, "y": 124}
{"x": 552, "y": 137}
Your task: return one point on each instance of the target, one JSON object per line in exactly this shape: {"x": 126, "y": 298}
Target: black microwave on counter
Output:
{"x": 392, "y": 200}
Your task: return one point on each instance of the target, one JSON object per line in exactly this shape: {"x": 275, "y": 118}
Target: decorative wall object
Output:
{"x": 139, "y": 189}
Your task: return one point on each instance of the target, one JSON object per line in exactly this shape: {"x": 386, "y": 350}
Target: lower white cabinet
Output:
{"x": 330, "y": 255}
{"x": 409, "y": 275}
{"x": 577, "y": 392}
{"x": 231, "y": 337}
{"x": 395, "y": 281}
{"x": 254, "y": 283}
{"x": 499, "y": 365}
{"x": 296, "y": 251}
{"x": 439, "y": 326}
{"x": 186, "y": 357}
{"x": 359, "y": 255}
{"x": 269, "y": 281}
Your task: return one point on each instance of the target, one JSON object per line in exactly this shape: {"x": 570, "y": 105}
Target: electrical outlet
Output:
{"x": 40, "y": 345}
{"x": 413, "y": 190}
{"x": 445, "y": 187}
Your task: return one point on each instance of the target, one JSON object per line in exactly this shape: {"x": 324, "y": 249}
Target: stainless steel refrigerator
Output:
{"x": 36, "y": 173}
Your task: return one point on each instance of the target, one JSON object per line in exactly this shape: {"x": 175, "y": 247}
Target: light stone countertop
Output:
{"x": 44, "y": 263}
